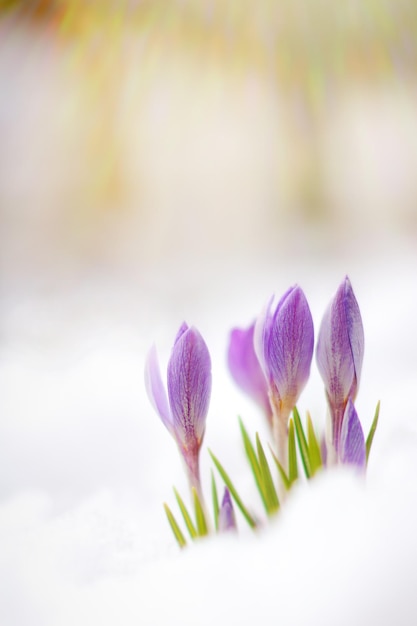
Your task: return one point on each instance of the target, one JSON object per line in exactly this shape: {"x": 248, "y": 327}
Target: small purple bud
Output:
{"x": 284, "y": 341}
{"x": 352, "y": 441}
{"x": 245, "y": 368}
{"x": 189, "y": 386}
{"x": 339, "y": 354}
{"x": 227, "y": 520}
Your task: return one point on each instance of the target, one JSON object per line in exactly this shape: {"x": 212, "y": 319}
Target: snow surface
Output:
{"x": 229, "y": 191}
{"x": 85, "y": 464}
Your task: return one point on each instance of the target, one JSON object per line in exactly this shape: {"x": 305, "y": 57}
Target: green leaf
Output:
{"x": 271, "y": 496}
{"x": 254, "y": 463}
{"x": 371, "y": 434}
{"x": 292, "y": 454}
{"x": 302, "y": 443}
{"x": 175, "y": 528}
{"x": 187, "y": 517}
{"x": 199, "y": 514}
{"x": 313, "y": 446}
{"x": 233, "y": 491}
{"x": 215, "y": 498}
{"x": 284, "y": 477}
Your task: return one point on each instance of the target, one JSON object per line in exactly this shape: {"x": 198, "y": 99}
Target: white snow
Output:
{"x": 211, "y": 228}
{"x": 86, "y": 464}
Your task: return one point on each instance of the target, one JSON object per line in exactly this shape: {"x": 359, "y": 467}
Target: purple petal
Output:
{"x": 339, "y": 353}
{"x": 227, "y": 520}
{"x": 261, "y": 337}
{"x": 155, "y": 389}
{"x": 355, "y": 332}
{"x": 352, "y": 441}
{"x": 340, "y": 345}
{"x": 181, "y": 331}
{"x": 189, "y": 387}
{"x": 245, "y": 368}
{"x": 289, "y": 346}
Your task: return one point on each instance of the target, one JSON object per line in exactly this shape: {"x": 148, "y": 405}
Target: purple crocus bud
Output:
{"x": 284, "y": 341}
{"x": 185, "y": 409}
{"x": 339, "y": 354}
{"x": 352, "y": 441}
{"x": 245, "y": 368}
{"x": 227, "y": 520}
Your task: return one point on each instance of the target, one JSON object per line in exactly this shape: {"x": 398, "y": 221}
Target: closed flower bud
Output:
{"x": 227, "y": 520}
{"x": 185, "y": 409}
{"x": 284, "y": 341}
{"x": 339, "y": 354}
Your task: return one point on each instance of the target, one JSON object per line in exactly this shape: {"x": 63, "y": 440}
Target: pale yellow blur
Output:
{"x": 138, "y": 131}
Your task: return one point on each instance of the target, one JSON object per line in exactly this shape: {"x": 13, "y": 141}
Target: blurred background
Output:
{"x": 168, "y": 160}
{"x": 136, "y": 133}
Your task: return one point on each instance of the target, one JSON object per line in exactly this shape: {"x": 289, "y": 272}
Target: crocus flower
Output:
{"x": 185, "y": 408}
{"x": 227, "y": 520}
{"x": 352, "y": 441}
{"x": 284, "y": 341}
{"x": 245, "y": 368}
{"x": 339, "y": 355}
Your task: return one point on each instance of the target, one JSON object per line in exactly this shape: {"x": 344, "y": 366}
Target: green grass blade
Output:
{"x": 284, "y": 477}
{"x": 187, "y": 517}
{"x": 233, "y": 491}
{"x": 302, "y": 443}
{"x": 313, "y": 446}
{"x": 292, "y": 454}
{"x": 215, "y": 499}
{"x": 199, "y": 514}
{"x": 370, "y": 437}
{"x": 268, "y": 483}
{"x": 174, "y": 527}
{"x": 254, "y": 463}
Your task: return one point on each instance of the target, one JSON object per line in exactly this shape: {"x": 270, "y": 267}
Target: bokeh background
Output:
{"x": 137, "y": 132}
{"x": 184, "y": 159}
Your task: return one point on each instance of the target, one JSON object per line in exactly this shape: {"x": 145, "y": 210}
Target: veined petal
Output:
{"x": 352, "y": 440}
{"x": 245, "y": 368}
{"x": 290, "y": 346}
{"x": 155, "y": 389}
{"x": 284, "y": 342}
{"x": 340, "y": 346}
{"x": 189, "y": 387}
{"x": 355, "y": 333}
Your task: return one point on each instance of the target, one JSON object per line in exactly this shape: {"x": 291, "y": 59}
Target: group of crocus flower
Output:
{"x": 270, "y": 361}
